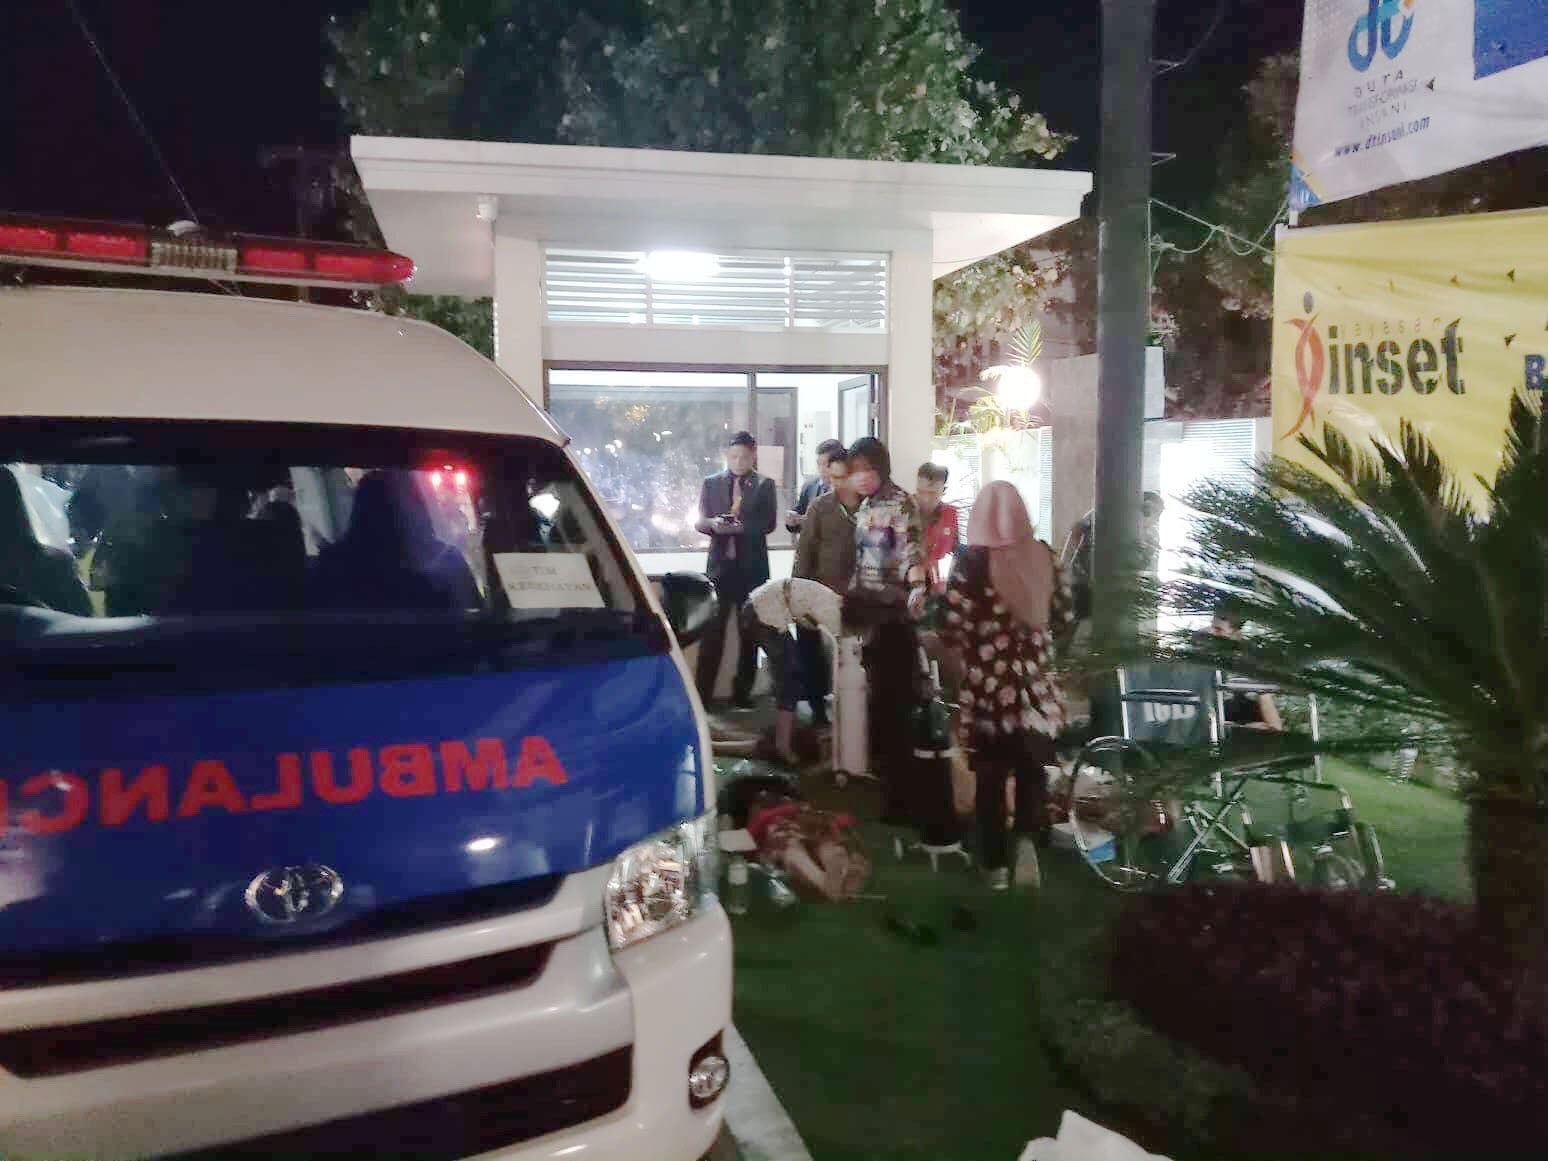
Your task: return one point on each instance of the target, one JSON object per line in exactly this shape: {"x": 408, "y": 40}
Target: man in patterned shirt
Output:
{"x": 890, "y": 580}
{"x": 885, "y": 599}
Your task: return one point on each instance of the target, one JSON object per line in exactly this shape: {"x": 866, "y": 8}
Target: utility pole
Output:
{"x": 1123, "y": 312}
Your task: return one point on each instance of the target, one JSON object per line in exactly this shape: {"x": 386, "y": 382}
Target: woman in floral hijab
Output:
{"x": 1005, "y": 600}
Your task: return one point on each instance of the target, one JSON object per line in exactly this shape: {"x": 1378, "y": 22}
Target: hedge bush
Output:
{"x": 1363, "y": 1006}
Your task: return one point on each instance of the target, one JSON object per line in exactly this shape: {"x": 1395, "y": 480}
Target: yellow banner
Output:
{"x": 1437, "y": 321}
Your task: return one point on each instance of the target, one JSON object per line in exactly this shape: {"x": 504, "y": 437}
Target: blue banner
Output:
{"x": 1508, "y": 34}
{"x": 134, "y": 820}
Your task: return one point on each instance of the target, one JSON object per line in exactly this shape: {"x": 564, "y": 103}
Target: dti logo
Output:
{"x": 1309, "y": 363}
{"x": 1374, "y": 30}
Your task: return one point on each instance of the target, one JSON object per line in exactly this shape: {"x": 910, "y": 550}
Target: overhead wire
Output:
{"x": 144, "y": 131}
{"x": 1237, "y": 244}
{"x": 1284, "y": 205}
{"x": 134, "y": 114}
{"x": 1193, "y": 53}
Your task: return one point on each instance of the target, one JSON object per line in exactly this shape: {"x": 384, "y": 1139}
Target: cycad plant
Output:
{"x": 1380, "y": 584}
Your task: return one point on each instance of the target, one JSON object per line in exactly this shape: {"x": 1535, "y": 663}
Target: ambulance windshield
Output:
{"x": 130, "y": 534}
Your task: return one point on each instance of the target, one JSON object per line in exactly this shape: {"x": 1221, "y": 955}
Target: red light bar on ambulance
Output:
{"x": 239, "y": 257}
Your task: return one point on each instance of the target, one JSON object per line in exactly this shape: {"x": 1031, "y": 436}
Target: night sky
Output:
{"x": 216, "y": 90}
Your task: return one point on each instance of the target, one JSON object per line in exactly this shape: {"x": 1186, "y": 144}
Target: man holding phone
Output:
{"x": 737, "y": 511}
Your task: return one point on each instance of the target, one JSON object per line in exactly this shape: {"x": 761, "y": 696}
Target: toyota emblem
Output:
{"x": 291, "y": 894}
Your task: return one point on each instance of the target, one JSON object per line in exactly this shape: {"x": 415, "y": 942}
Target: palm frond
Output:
{"x": 1378, "y": 584}
{"x": 1026, "y": 343}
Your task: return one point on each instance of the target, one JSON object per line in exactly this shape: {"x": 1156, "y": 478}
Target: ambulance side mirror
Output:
{"x": 690, "y": 603}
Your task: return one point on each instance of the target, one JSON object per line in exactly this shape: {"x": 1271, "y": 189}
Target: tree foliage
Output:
{"x": 487, "y": 69}
{"x": 1251, "y": 198}
{"x": 978, "y": 308}
{"x": 878, "y": 79}
{"x": 871, "y": 79}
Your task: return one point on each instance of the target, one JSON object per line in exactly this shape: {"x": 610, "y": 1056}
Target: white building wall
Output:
{"x": 910, "y": 405}
{"x": 518, "y": 313}
{"x": 524, "y": 342}
{"x": 624, "y": 346}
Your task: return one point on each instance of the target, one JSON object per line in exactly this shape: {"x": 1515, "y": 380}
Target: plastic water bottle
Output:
{"x": 779, "y": 891}
{"x": 736, "y": 886}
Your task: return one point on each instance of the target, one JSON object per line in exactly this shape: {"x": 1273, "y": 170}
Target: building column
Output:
{"x": 911, "y": 367}
{"x": 518, "y": 310}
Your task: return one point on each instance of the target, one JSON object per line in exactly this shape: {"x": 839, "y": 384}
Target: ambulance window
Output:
{"x": 180, "y": 520}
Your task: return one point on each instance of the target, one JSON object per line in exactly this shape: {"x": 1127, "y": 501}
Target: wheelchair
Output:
{"x": 1113, "y": 808}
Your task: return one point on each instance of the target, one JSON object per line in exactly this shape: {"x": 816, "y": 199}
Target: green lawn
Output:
{"x": 880, "y": 1048}
{"x": 1421, "y": 829}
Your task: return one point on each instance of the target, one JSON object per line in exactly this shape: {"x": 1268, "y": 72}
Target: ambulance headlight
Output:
{"x": 661, "y": 882}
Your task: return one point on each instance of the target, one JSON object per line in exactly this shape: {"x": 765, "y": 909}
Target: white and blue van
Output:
{"x": 356, "y": 797}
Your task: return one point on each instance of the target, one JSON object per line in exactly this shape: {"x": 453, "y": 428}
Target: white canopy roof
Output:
{"x": 434, "y": 200}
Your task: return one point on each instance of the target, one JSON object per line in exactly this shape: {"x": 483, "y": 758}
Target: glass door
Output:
{"x": 774, "y": 427}
{"x": 857, "y": 413}
{"x": 647, "y": 439}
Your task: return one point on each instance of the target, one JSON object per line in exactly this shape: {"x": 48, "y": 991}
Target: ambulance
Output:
{"x": 356, "y": 798}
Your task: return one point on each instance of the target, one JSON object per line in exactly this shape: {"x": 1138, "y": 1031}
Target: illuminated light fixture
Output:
{"x": 479, "y": 845}
{"x": 679, "y": 266}
{"x": 1017, "y": 387}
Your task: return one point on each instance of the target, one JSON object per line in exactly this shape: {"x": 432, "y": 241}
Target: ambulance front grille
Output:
{"x": 463, "y": 1125}
{"x": 56, "y": 1050}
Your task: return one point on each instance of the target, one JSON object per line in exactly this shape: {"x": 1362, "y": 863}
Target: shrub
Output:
{"x": 1359, "y": 1004}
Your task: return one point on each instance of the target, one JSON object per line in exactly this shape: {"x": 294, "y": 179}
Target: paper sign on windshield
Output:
{"x": 544, "y": 580}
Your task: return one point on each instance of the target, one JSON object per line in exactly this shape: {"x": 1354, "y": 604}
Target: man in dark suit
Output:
{"x": 737, "y": 511}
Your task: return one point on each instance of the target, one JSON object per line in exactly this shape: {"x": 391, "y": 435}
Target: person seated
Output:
{"x": 31, "y": 572}
{"x": 390, "y": 557}
{"x": 1244, "y": 709}
{"x": 140, "y": 557}
{"x": 236, "y": 563}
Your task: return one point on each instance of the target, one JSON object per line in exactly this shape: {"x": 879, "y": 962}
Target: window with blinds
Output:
{"x": 1043, "y": 517}
{"x": 1220, "y": 449}
{"x": 750, "y": 291}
